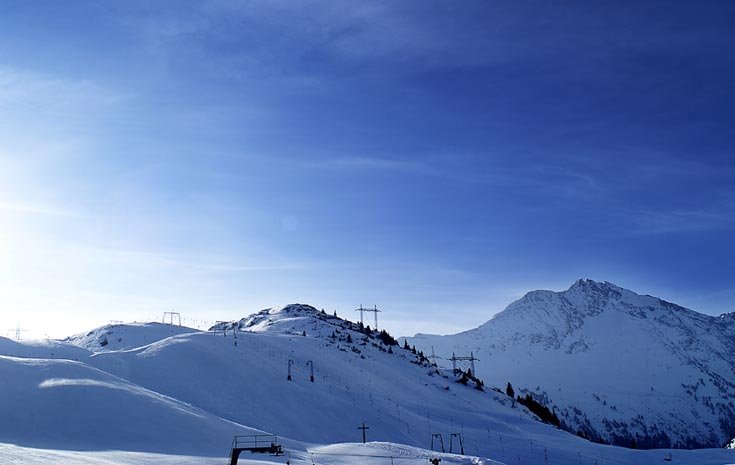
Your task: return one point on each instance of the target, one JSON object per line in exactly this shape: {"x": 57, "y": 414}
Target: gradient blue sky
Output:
{"x": 438, "y": 159}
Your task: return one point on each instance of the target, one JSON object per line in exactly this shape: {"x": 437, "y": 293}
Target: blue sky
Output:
{"x": 438, "y": 160}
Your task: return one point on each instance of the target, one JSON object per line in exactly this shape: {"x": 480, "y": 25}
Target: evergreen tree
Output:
{"x": 479, "y": 384}
{"x": 349, "y": 338}
{"x": 509, "y": 390}
{"x": 304, "y": 333}
{"x": 543, "y": 412}
{"x": 386, "y": 338}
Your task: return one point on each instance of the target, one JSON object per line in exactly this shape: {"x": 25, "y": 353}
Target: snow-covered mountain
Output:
{"x": 115, "y": 337}
{"x": 617, "y": 366}
{"x": 357, "y": 377}
{"x": 163, "y": 394}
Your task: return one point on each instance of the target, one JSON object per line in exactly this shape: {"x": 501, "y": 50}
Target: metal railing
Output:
{"x": 255, "y": 441}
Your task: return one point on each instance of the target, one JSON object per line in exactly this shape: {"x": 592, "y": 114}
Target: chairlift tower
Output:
{"x": 170, "y": 315}
{"x": 439, "y": 440}
{"x": 220, "y": 326}
{"x": 471, "y": 358}
{"x": 451, "y": 443}
{"x": 310, "y": 364}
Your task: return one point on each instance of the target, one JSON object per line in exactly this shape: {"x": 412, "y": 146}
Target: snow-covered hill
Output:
{"x": 617, "y": 365}
{"x": 42, "y": 349}
{"x": 125, "y": 336}
{"x": 63, "y": 404}
{"x": 357, "y": 378}
{"x": 175, "y": 395}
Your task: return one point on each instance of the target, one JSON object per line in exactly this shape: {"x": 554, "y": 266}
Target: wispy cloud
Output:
{"x": 23, "y": 89}
{"x": 35, "y": 209}
{"x": 653, "y": 222}
{"x": 377, "y": 163}
{"x": 192, "y": 263}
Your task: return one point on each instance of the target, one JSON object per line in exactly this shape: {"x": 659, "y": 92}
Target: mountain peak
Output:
{"x": 596, "y": 337}
{"x": 292, "y": 309}
{"x": 290, "y": 319}
{"x": 591, "y": 285}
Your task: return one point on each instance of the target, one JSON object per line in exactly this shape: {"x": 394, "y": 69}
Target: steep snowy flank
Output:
{"x": 625, "y": 368}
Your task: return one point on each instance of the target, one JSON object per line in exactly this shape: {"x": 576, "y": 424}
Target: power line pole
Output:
{"x": 375, "y": 311}
{"x": 471, "y": 358}
{"x": 18, "y": 331}
{"x": 371, "y": 310}
{"x": 361, "y": 310}
{"x": 433, "y": 357}
{"x": 363, "y": 428}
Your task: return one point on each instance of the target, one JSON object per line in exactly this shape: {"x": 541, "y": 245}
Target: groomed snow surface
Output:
{"x": 158, "y": 394}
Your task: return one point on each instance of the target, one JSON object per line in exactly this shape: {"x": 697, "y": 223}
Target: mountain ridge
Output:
{"x": 555, "y": 344}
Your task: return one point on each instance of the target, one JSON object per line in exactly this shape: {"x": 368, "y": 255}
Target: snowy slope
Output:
{"x": 400, "y": 400}
{"x": 125, "y": 336}
{"x": 62, "y": 404}
{"x": 334, "y": 454}
{"x": 42, "y": 349}
{"x": 617, "y": 365}
{"x": 354, "y": 381}
{"x": 170, "y": 396}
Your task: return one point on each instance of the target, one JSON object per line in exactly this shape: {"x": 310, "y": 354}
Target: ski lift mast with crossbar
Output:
{"x": 170, "y": 316}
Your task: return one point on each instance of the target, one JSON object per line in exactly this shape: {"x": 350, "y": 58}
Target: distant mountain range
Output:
{"x": 616, "y": 366}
